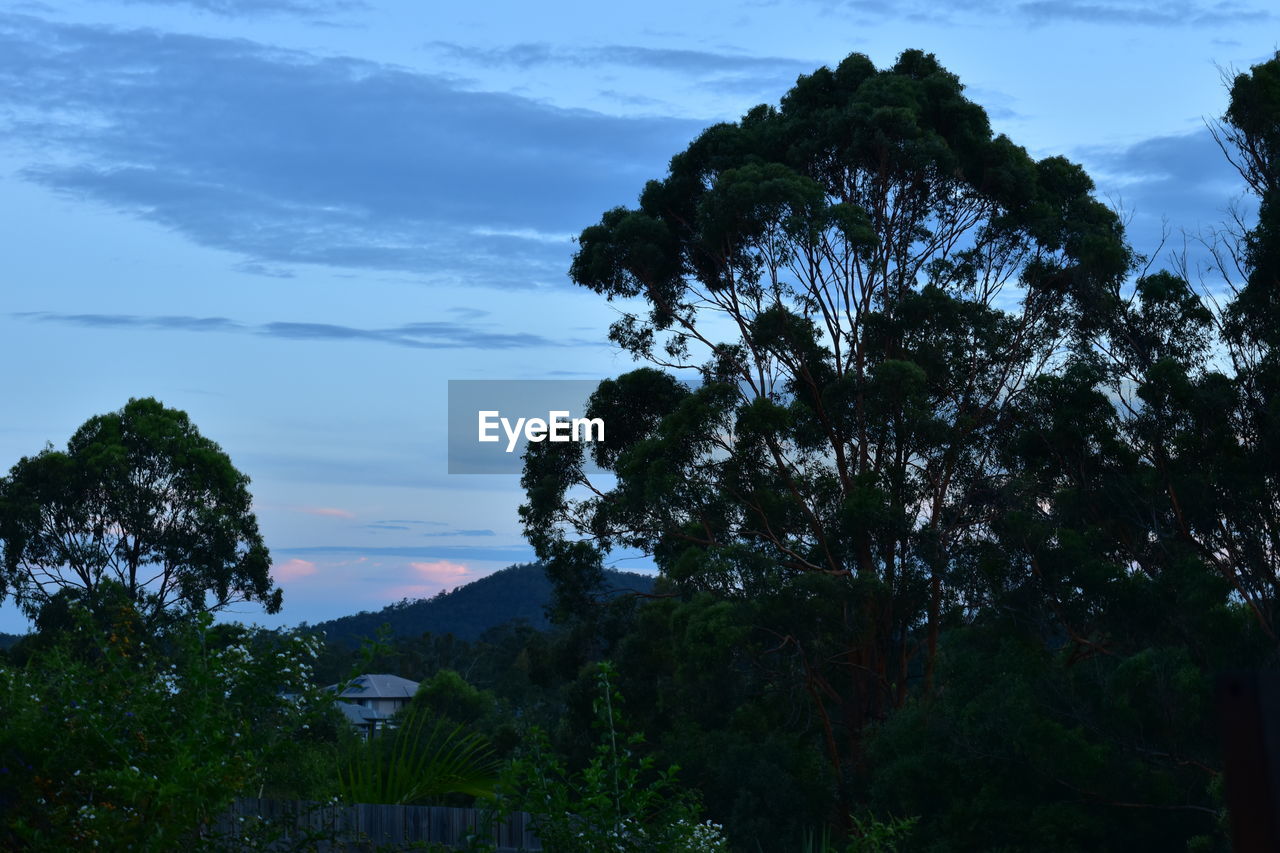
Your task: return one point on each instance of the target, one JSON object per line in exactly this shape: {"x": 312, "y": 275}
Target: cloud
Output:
{"x": 525, "y": 234}
{"x": 428, "y": 578}
{"x": 293, "y": 569}
{"x": 461, "y": 533}
{"x": 116, "y": 321}
{"x": 631, "y": 99}
{"x": 287, "y": 158}
{"x": 254, "y": 268}
{"x": 256, "y": 8}
{"x": 1163, "y": 13}
{"x": 413, "y": 521}
{"x": 676, "y": 60}
{"x": 1154, "y": 13}
{"x": 1182, "y": 181}
{"x": 442, "y": 571}
{"x": 997, "y": 104}
{"x": 407, "y": 525}
{"x": 730, "y": 73}
{"x": 326, "y": 511}
{"x": 420, "y": 335}
{"x": 451, "y": 553}
{"x": 425, "y": 335}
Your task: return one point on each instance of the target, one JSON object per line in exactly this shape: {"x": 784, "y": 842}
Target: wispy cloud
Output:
{"x": 291, "y": 570}
{"x": 113, "y": 321}
{"x": 1143, "y": 13}
{"x": 461, "y": 533}
{"x": 453, "y": 553}
{"x": 738, "y": 73}
{"x": 525, "y": 234}
{"x": 421, "y": 335}
{"x": 1163, "y": 13}
{"x": 297, "y": 159}
{"x": 325, "y": 511}
{"x": 530, "y": 54}
{"x": 442, "y": 571}
{"x": 434, "y": 534}
{"x": 259, "y": 8}
{"x": 427, "y": 335}
{"x": 413, "y": 521}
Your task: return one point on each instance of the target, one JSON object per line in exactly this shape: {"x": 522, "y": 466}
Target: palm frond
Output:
{"x": 417, "y": 762}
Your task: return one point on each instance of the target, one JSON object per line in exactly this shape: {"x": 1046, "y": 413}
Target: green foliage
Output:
{"x": 1027, "y": 749}
{"x": 870, "y": 835}
{"x": 619, "y": 801}
{"x": 139, "y": 501}
{"x": 415, "y": 763}
{"x": 447, "y": 694}
{"x": 124, "y": 741}
{"x": 741, "y": 733}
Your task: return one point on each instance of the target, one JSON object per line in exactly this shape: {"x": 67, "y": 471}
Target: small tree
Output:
{"x": 139, "y": 501}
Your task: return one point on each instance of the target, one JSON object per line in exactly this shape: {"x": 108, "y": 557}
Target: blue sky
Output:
{"x": 298, "y": 219}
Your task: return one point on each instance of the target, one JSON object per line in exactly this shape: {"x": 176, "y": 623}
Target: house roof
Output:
{"x": 378, "y": 686}
{"x": 358, "y": 715}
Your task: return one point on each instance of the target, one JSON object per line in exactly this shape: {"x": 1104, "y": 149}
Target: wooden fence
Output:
{"x": 281, "y": 825}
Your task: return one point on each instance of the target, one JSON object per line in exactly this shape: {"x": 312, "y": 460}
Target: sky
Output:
{"x": 296, "y": 220}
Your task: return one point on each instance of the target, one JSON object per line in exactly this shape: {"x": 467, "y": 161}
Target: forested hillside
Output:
{"x": 517, "y": 593}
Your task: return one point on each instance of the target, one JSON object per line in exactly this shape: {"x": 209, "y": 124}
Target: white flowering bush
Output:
{"x": 619, "y": 803}
{"x": 123, "y": 742}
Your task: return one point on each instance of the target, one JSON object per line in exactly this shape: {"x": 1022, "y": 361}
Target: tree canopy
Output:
{"x": 865, "y": 279}
{"x": 139, "y": 505}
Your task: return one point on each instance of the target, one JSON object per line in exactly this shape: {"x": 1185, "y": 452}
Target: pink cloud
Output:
{"x": 328, "y": 511}
{"x": 442, "y": 571}
{"x": 293, "y": 569}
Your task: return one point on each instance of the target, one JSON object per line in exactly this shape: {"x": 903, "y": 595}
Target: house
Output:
{"x": 370, "y": 701}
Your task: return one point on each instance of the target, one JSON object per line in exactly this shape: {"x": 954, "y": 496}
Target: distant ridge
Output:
{"x": 517, "y": 592}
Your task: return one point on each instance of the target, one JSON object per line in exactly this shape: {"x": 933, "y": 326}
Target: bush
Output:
{"x": 618, "y": 802}
{"x": 118, "y": 741}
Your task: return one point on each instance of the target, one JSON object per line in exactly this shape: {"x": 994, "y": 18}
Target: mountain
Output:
{"x": 517, "y": 592}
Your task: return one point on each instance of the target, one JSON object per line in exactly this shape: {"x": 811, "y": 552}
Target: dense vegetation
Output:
{"x": 973, "y": 499}
{"x": 971, "y": 504}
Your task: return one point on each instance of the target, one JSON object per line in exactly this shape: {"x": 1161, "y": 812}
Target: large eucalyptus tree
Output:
{"x": 864, "y": 279}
